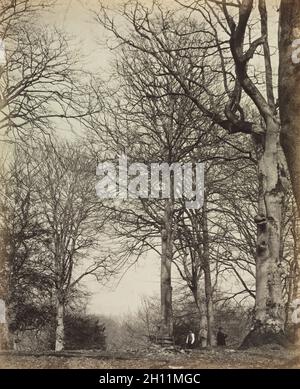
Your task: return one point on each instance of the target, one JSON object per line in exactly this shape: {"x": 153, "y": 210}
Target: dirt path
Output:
{"x": 213, "y": 359}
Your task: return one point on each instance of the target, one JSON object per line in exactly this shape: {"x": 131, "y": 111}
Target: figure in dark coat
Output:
{"x": 221, "y": 337}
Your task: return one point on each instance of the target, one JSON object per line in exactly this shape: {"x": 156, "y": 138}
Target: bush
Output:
{"x": 84, "y": 332}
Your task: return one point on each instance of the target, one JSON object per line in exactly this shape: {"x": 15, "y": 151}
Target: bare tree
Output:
{"x": 289, "y": 102}
{"x": 44, "y": 83}
{"x": 54, "y": 226}
{"x": 12, "y": 14}
{"x": 149, "y": 104}
{"x": 41, "y": 80}
{"x": 29, "y": 281}
{"x": 194, "y": 261}
{"x": 230, "y": 50}
{"x": 74, "y": 220}
{"x": 289, "y": 105}
{"x": 271, "y": 165}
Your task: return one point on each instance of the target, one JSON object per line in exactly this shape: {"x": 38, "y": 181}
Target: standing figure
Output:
{"x": 221, "y": 337}
{"x": 203, "y": 337}
{"x": 190, "y": 339}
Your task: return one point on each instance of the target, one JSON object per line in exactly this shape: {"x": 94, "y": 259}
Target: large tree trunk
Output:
{"x": 4, "y": 334}
{"x": 201, "y": 307}
{"x": 289, "y": 102}
{"x": 207, "y": 277}
{"x": 6, "y": 154}
{"x": 60, "y": 327}
{"x": 289, "y": 89}
{"x": 269, "y": 308}
{"x": 295, "y": 277}
{"x": 4, "y": 330}
{"x": 166, "y": 265}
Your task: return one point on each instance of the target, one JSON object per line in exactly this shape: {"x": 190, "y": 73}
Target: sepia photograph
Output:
{"x": 149, "y": 190}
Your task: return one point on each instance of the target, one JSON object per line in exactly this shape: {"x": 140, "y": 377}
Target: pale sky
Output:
{"x": 124, "y": 296}
{"x": 120, "y": 296}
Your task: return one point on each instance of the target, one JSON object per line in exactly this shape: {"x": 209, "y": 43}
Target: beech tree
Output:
{"x": 41, "y": 82}
{"x": 149, "y": 105}
{"x": 269, "y": 318}
{"x": 229, "y": 50}
{"x": 289, "y": 92}
{"x": 193, "y": 244}
{"x": 29, "y": 282}
{"x": 289, "y": 107}
{"x": 74, "y": 219}
{"x": 12, "y": 14}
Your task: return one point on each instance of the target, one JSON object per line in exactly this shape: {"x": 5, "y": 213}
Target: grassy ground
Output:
{"x": 224, "y": 359}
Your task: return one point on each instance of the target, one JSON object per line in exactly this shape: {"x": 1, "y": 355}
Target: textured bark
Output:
{"x": 269, "y": 313}
{"x": 269, "y": 308}
{"x": 289, "y": 102}
{"x": 289, "y": 90}
{"x": 207, "y": 277}
{"x": 295, "y": 277}
{"x": 166, "y": 265}
{"x": 6, "y": 150}
{"x": 201, "y": 307}
{"x": 4, "y": 334}
{"x": 4, "y": 330}
{"x": 60, "y": 297}
{"x": 60, "y": 328}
